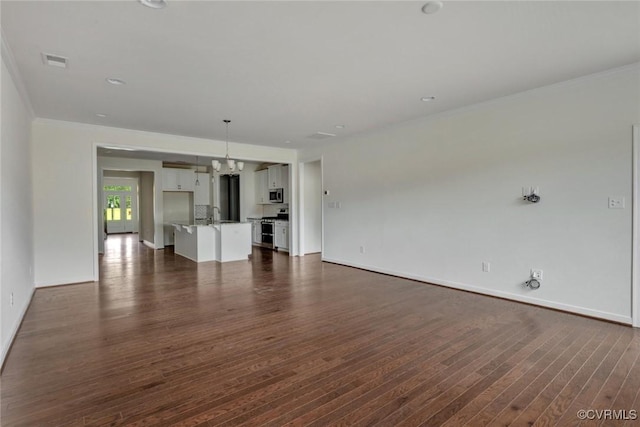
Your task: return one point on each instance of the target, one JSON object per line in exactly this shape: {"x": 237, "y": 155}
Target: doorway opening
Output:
{"x": 230, "y": 197}
{"x": 120, "y": 204}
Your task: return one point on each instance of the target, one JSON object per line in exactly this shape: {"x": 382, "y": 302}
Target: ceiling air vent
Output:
{"x": 321, "y": 135}
{"x": 54, "y": 60}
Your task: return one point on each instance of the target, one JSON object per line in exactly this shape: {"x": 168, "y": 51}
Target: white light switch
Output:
{"x": 616, "y": 202}
{"x": 332, "y": 205}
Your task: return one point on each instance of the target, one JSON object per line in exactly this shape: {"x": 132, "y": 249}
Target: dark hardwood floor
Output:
{"x": 161, "y": 340}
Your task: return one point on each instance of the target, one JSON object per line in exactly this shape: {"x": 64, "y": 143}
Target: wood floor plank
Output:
{"x": 561, "y": 403}
{"x": 495, "y": 371}
{"x": 278, "y": 340}
{"x": 377, "y": 408}
{"x": 589, "y": 391}
{"x": 554, "y": 387}
{"x": 523, "y": 361}
{"x": 513, "y": 390}
{"x": 615, "y": 385}
{"x": 362, "y": 372}
{"x": 516, "y": 407}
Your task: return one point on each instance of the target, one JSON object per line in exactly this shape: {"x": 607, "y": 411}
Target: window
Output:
{"x": 117, "y": 188}
{"x": 113, "y": 208}
{"x": 128, "y": 206}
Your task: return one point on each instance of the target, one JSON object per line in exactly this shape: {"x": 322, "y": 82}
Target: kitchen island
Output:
{"x": 221, "y": 241}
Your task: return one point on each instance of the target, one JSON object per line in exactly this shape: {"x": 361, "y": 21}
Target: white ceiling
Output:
{"x": 285, "y": 70}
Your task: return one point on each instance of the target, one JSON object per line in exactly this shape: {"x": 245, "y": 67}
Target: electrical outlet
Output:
{"x": 616, "y": 202}
{"x": 11, "y": 299}
{"x": 536, "y": 274}
{"x": 361, "y": 249}
{"x": 486, "y": 266}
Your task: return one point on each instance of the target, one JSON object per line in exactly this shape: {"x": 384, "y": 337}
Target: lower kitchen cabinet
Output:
{"x": 256, "y": 232}
{"x": 281, "y": 231}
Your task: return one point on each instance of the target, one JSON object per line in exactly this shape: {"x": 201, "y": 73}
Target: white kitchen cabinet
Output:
{"x": 169, "y": 179}
{"x": 202, "y": 193}
{"x": 275, "y": 176}
{"x": 187, "y": 180}
{"x": 168, "y": 235}
{"x": 285, "y": 183}
{"x": 281, "y": 235}
{"x": 262, "y": 187}
{"x": 256, "y": 231}
{"x": 178, "y": 179}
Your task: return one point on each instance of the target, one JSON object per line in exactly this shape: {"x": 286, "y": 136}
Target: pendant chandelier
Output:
{"x": 231, "y": 163}
{"x": 197, "y": 166}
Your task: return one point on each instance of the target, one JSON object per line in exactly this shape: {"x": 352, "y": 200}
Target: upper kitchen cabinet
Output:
{"x": 262, "y": 187}
{"x": 202, "y": 193}
{"x": 178, "y": 179}
{"x": 285, "y": 183}
{"x": 275, "y": 176}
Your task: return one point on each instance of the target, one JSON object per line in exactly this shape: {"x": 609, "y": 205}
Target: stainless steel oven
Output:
{"x": 267, "y": 232}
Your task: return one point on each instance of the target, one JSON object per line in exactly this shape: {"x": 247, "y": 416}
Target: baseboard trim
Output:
{"x": 612, "y": 317}
{"x": 149, "y": 244}
{"x": 6, "y": 350}
{"x": 73, "y": 281}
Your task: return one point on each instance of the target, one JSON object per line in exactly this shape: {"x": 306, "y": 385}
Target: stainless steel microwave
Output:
{"x": 275, "y": 195}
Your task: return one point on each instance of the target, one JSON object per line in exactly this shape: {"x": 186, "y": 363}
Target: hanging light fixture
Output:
{"x": 197, "y": 166}
{"x": 231, "y": 163}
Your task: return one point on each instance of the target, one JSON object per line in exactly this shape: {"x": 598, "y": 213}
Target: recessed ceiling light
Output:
{"x": 154, "y": 4}
{"x": 102, "y": 116}
{"x": 339, "y": 126}
{"x": 431, "y": 7}
{"x": 427, "y": 98}
{"x": 116, "y": 82}
{"x": 287, "y": 142}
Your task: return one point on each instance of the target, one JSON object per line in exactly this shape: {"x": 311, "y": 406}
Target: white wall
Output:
{"x": 63, "y": 153}
{"x": 146, "y": 208}
{"x": 248, "y": 206}
{"x": 434, "y": 198}
{"x": 312, "y": 207}
{"x": 16, "y": 234}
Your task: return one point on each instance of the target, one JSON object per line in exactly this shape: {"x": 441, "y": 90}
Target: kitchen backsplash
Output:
{"x": 203, "y": 211}
{"x": 272, "y": 210}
